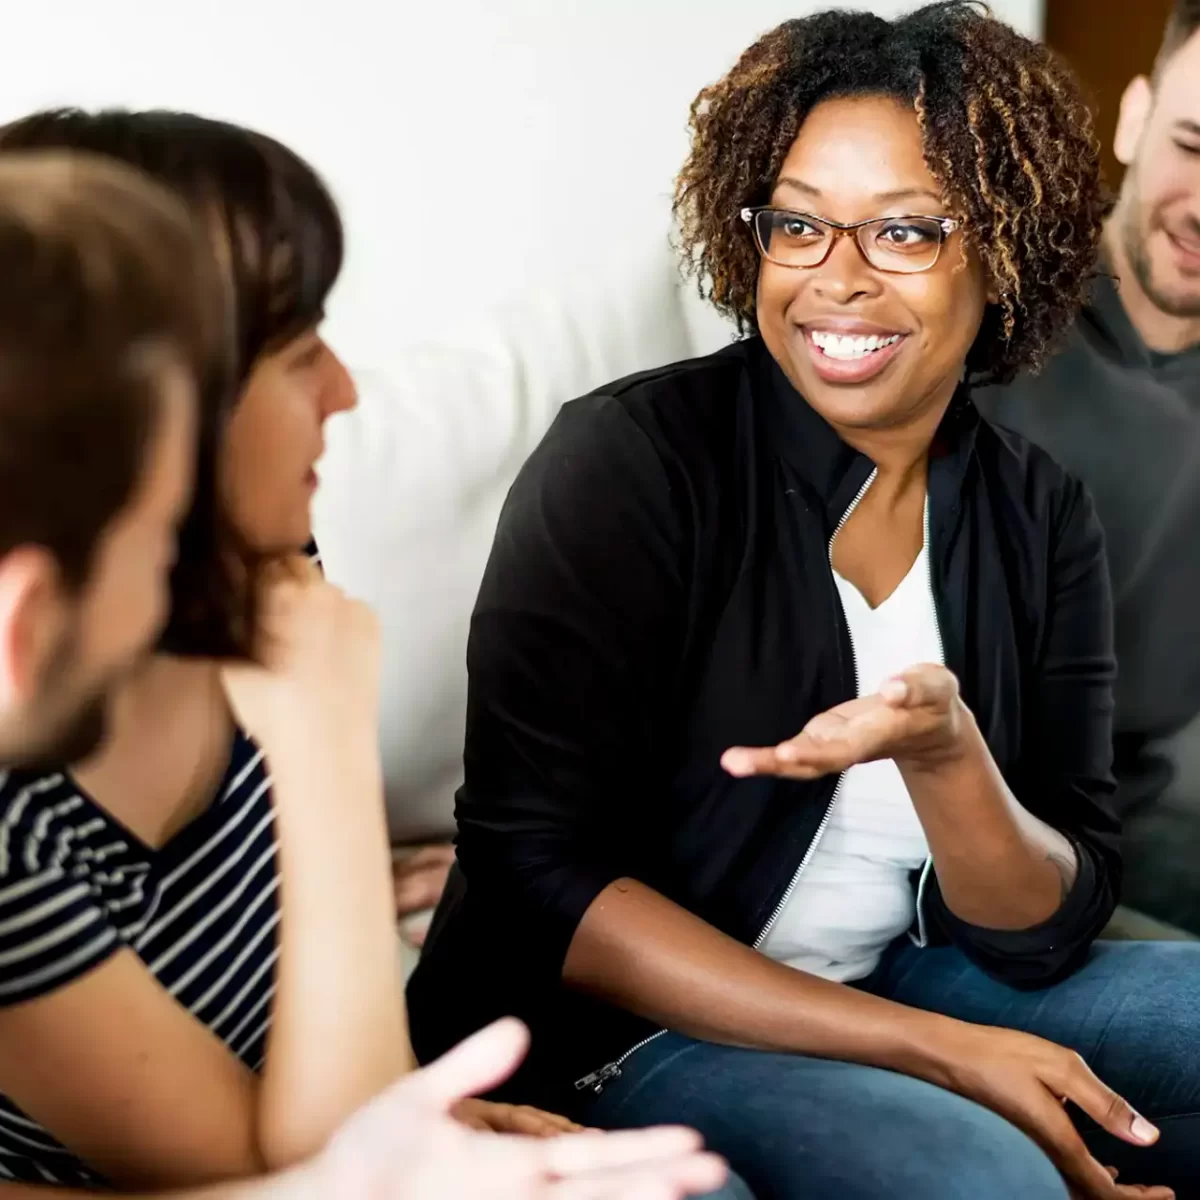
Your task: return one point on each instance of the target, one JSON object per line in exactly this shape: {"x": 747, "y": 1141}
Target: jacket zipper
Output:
{"x": 921, "y": 939}
{"x": 837, "y": 787}
{"x": 597, "y": 1081}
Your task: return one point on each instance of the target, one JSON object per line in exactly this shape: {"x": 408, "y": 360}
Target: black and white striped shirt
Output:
{"x": 76, "y": 886}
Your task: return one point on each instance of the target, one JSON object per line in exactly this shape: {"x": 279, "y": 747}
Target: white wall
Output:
{"x": 547, "y": 131}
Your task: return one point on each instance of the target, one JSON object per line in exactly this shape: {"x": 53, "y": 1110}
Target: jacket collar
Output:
{"x": 835, "y": 471}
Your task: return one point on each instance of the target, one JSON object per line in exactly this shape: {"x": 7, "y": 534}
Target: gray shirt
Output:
{"x": 1126, "y": 420}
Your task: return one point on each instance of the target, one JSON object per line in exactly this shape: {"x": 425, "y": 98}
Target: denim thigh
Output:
{"x": 794, "y": 1127}
{"x": 1132, "y": 1011}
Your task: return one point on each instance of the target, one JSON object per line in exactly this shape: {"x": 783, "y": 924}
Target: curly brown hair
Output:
{"x": 1007, "y": 135}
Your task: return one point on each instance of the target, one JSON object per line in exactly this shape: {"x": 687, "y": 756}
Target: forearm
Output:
{"x": 997, "y": 865}
{"x": 338, "y": 1033}
{"x": 636, "y": 949}
{"x": 291, "y": 1185}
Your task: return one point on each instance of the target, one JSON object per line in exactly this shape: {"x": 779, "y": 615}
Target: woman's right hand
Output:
{"x": 1029, "y": 1081}
{"x": 318, "y": 671}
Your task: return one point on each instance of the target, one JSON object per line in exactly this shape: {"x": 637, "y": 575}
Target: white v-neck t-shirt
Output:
{"x": 854, "y": 896}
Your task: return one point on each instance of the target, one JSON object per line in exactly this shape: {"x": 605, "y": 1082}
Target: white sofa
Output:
{"x": 413, "y": 481}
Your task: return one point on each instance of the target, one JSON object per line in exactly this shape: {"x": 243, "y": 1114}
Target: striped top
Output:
{"x": 76, "y": 886}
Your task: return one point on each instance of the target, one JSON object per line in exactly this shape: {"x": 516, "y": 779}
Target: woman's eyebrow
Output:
{"x": 921, "y": 193}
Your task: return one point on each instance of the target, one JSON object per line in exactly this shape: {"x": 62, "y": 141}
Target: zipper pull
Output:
{"x": 596, "y": 1081}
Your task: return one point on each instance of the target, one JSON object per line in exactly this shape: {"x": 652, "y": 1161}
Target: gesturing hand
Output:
{"x": 488, "y": 1117}
{"x": 407, "y": 1146}
{"x": 1029, "y": 1081}
{"x": 916, "y": 716}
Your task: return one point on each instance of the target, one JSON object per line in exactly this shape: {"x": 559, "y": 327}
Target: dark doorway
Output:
{"x": 1108, "y": 42}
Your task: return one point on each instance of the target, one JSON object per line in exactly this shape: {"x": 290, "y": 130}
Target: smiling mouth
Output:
{"x": 844, "y": 348}
{"x": 851, "y": 359}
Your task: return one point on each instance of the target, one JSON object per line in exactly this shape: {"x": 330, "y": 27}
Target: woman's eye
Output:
{"x": 902, "y": 236}
{"x": 794, "y": 227}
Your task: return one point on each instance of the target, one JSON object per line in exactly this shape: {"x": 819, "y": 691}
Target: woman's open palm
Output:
{"x": 916, "y": 715}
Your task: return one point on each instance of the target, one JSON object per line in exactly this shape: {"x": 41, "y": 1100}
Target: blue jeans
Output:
{"x": 734, "y": 1189}
{"x": 795, "y": 1127}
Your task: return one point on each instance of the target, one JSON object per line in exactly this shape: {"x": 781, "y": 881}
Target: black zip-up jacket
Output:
{"x": 659, "y": 590}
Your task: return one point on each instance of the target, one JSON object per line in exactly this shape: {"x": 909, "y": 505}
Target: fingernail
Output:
{"x": 1143, "y": 1130}
{"x": 894, "y": 689}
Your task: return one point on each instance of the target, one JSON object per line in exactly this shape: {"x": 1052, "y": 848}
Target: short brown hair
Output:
{"x": 1181, "y": 24}
{"x": 1007, "y": 135}
{"x": 106, "y": 279}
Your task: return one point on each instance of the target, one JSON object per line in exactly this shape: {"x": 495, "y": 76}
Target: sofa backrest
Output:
{"x": 413, "y": 481}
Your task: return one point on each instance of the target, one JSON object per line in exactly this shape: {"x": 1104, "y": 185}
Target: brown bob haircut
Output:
{"x": 108, "y": 288}
{"x": 277, "y": 235}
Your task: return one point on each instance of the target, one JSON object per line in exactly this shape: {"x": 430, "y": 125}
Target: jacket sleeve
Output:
{"x": 577, "y": 622}
{"x": 1065, "y": 777}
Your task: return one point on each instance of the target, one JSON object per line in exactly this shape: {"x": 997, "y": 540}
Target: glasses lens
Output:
{"x": 789, "y": 239}
{"x": 907, "y": 245}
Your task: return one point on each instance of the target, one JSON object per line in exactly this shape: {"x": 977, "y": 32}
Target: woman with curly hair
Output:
{"x": 788, "y": 742}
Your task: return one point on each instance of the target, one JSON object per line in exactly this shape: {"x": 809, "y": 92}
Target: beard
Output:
{"x": 1135, "y": 237}
{"x": 82, "y": 733}
{"x": 69, "y": 721}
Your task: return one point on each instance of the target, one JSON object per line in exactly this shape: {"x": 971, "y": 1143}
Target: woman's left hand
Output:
{"x": 419, "y": 877}
{"x": 916, "y": 718}
{"x": 511, "y": 1118}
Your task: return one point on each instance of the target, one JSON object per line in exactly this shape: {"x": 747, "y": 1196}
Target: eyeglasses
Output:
{"x": 898, "y": 245}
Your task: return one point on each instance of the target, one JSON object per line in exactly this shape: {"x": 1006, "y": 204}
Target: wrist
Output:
{"x": 309, "y": 1181}
{"x": 958, "y": 744}
{"x": 933, "y": 1048}
{"x": 316, "y": 738}
{"x": 325, "y": 763}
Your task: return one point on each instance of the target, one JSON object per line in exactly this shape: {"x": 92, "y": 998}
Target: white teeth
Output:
{"x": 834, "y": 345}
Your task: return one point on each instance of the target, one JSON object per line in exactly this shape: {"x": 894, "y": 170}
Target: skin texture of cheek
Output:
{"x": 951, "y": 326}
{"x": 275, "y": 438}
{"x": 125, "y": 604}
{"x": 265, "y": 460}
{"x": 269, "y": 509}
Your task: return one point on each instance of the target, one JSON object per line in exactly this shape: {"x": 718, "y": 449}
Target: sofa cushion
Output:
{"x": 413, "y": 481}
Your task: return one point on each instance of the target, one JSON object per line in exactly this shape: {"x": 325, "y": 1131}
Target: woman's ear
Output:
{"x": 1136, "y": 105}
